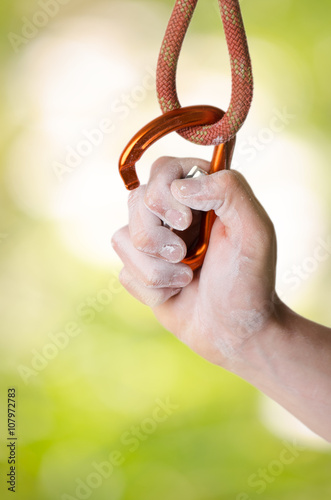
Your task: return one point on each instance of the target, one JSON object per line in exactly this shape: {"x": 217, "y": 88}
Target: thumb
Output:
{"x": 242, "y": 224}
{"x": 227, "y": 193}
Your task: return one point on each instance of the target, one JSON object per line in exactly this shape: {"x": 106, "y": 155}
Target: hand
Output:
{"x": 227, "y": 311}
{"x": 220, "y": 307}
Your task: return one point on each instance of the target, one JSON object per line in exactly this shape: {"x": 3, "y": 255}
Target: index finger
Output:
{"x": 158, "y": 196}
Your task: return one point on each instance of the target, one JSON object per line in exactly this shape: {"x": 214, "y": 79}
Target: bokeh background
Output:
{"x": 90, "y": 365}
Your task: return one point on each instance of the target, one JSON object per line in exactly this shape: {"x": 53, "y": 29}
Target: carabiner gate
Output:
{"x": 170, "y": 122}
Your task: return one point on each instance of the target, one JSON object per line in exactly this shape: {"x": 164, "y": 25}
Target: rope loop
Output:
{"x": 241, "y": 71}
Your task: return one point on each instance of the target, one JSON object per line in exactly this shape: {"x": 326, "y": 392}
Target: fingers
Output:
{"x": 228, "y": 194}
{"x": 148, "y": 204}
{"x": 147, "y": 233}
{"x": 158, "y": 197}
{"x": 149, "y": 297}
{"x": 151, "y": 253}
{"x": 149, "y": 279}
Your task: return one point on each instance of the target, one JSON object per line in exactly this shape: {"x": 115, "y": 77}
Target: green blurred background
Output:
{"x": 66, "y": 67}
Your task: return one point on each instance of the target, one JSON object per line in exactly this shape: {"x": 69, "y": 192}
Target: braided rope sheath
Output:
{"x": 241, "y": 71}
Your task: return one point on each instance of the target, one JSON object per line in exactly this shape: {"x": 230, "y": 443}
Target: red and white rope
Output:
{"x": 241, "y": 71}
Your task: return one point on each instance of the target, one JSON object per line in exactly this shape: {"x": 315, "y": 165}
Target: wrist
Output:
{"x": 258, "y": 357}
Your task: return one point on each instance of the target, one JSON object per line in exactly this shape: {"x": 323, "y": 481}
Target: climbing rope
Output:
{"x": 241, "y": 71}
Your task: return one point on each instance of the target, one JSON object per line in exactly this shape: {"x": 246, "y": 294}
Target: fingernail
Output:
{"x": 173, "y": 253}
{"x": 175, "y": 219}
{"x": 181, "y": 279}
{"x": 188, "y": 187}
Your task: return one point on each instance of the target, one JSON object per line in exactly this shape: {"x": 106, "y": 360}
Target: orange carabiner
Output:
{"x": 170, "y": 122}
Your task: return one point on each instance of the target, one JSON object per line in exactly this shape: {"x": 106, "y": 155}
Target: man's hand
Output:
{"x": 219, "y": 308}
{"x": 227, "y": 311}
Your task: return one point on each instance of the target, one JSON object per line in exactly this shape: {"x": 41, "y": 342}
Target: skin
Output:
{"x": 228, "y": 311}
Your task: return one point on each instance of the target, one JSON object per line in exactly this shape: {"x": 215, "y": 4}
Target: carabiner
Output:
{"x": 170, "y": 122}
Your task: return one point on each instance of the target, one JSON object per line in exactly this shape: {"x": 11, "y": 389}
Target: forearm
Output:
{"x": 291, "y": 363}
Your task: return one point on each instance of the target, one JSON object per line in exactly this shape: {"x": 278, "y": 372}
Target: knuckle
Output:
{"x": 160, "y": 164}
{"x": 136, "y": 195}
{"x": 270, "y": 228}
{"x": 117, "y": 237}
{"x": 153, "y": 279}
{"x": 231, "y": 180}
{"x": 152, "y": 199}
{"x": 165, "y": 169}
{"x": 264, "y": 231}
{"x": 155, "y": 300}
{"x": 124, "y": 277}
{"x": 140, "y": 240}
